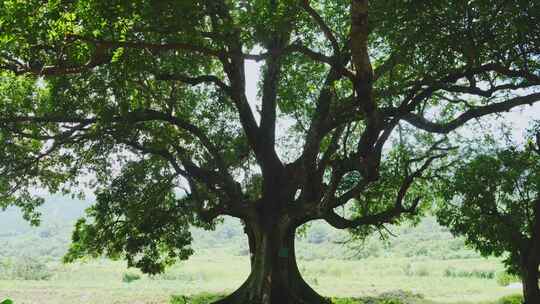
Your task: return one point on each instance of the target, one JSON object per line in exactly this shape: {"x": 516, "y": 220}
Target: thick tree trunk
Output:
{"x": 531, "y": 292}
{"x": 274, "y": 278}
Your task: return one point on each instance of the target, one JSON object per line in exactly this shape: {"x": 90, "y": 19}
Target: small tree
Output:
{"x": 494, "y": 201}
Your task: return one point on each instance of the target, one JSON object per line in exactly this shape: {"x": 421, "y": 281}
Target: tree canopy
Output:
{"x": 149, "y": 98}
{"x": 494, "y": 201}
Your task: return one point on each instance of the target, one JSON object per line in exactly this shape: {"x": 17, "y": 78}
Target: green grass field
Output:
{"x": 423, "y": 260}
{"x": 101, "y": 281}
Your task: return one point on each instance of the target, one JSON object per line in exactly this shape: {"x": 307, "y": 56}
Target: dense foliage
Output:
{"x": 494, "y": 201}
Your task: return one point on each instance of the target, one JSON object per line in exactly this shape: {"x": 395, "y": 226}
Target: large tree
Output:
{"x": 494, "y": 201}
{"x": 148, "y": 100}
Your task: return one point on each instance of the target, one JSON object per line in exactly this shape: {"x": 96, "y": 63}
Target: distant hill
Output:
{"x": 56, "y": 210}
{"x": 51, "y": 239}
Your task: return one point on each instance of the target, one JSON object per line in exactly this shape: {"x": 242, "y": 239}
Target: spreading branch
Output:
{"x": 389, "y": 215}
{"x": 328, "y": 33}
{"x": 434, "y": 127}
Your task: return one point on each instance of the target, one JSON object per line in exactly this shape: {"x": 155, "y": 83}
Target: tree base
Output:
{"x": 275, "y": 277}
{"x": 300, "y": 293}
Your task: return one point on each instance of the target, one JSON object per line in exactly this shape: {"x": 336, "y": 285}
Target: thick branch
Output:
{"x": 359, "y": 40}
{"x": 388, "y": 216}
{"x": 328, "y": 33}
{"x": 269, "y": 105}
{"x": 420, "y": 91}
{"x": 473, "y": 90}
{"x": 298, "y": 47}
{"x": 360, "y": 54}
{"x": 424, "y": 124}
{"x": 97, "y": 59}
{"x": 213, "y": 181}
{"x": 233, "y": 65}
{"x": 131, "y": 117}
{"x": 196, "y": 80}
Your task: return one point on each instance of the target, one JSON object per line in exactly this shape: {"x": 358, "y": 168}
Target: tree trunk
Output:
{"x": 530, "y": 261}
{"x": 529, "y": 278}
{"x": 274, "y": 278}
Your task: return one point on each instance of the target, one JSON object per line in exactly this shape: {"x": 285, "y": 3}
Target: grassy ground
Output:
{"x": 101, "y": 281}
{"x": 418, "y": 261}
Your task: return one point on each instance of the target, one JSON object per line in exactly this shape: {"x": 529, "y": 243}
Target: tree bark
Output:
{"x": 531, "y": 260}
{"x": 275, "y": 277}
{"x": 531, "y": 292}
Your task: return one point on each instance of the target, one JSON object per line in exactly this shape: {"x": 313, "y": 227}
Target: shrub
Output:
{"x": 481, "y": 274}
{"x": 399, "y": 297}
{"x": 504, "y": 278}
{"x": 129, "y": 277}
{"x": 25, "y": 268}
{"x": 407, "y": 270}
{"x": 179, "y": 300}
{"x": 513, "y": 299}
{"x": 346, "y": 301}
{"x": 421, "y": 271}
{"x": 422, "y": 252}
{"x": 179, "y": 276}
{"x": 391, "y": 297}
{"x": 203, "y": 298}
{"x": 450, "y": 272}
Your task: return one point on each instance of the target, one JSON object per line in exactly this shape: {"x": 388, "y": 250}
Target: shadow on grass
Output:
{"x": 394, "y": 297}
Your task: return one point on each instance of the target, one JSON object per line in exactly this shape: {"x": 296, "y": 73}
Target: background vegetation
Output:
{"x": 425, "y": 264}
